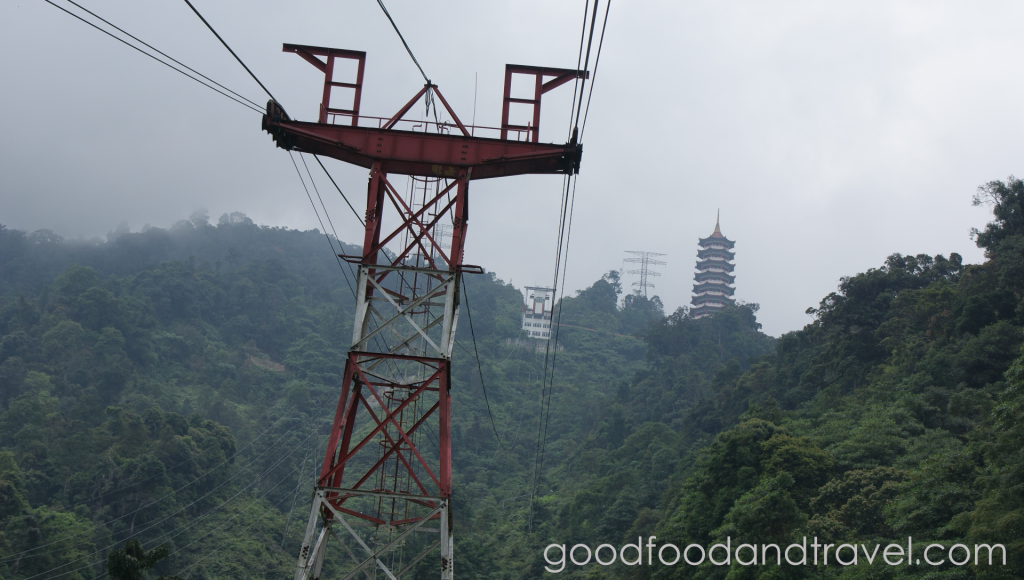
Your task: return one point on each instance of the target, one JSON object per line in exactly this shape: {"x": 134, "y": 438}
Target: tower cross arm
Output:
{"x": 562, "y": 75}
{"x": 420, "y": 153}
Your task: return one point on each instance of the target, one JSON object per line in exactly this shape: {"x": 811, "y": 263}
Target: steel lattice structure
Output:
{"x": 384, "y": 490}
{"x": 646, "y": 260}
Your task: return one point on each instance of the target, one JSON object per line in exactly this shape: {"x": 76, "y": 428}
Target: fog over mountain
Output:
{"x": 829, "y": 135}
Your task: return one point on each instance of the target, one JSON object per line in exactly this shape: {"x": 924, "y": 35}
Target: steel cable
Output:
{"x": 193, "y": 522}
{"x": 579, "y": 61}
{"x": 402, "y": 38}
{"x": 168, "y": 65}
{"x": 180, "y": 510}
{"x": 328, "y": 236}
{"x": 160, "y": 52}
{"x": 354, "y": 212}
{"x": 265, "y": 89}
{"x": 586, "y": 62}
{"x": 554, "y": 355}
{"x": 211, "y": 470}
{"x": 597, "y": 62}
{"x": 377, "y": 339}
{"x": 479, "y": 369}
{"x": 565, "y": 217}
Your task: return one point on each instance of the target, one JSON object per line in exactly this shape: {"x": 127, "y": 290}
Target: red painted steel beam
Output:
{"x": 303, "y": 50}
{"x": 562, "y": 76}
{"x": 415, "y": 153}
{"x": 310, "y": 54}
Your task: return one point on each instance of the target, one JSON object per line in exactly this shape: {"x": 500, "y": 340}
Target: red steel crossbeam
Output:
{"x": 379, "y": 188}
{"x": 426, "y": 88}
{"x": 394, "y": 449}
{"x": 418, "y": 153}
{"x": 409, "y": 470}
{"x": 540, "y": 87}
{"x": 336, "y": 457}
{"x": 382, "y": 428}
{"x": 389, "y": 417}
{"x": 413, "y": 218}
{"x": 341, "y": 450}
{"x": 310, "y": 54}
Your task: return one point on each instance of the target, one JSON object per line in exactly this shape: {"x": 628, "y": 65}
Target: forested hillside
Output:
{"x": 896, "y": 413}
{"x": 173, "y": 386}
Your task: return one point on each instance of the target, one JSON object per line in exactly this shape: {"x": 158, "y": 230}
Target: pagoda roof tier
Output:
{"x": 721, "y": 301}
{"x": 706, "y": 242}
{"x": 709, "y": 287}
{"x": 713, "y": 241}
{"x": 710, "y": 252}
{"x": 717, "y": 237}
{"x": 723, "y": 276}
{"x": 704, "y": 310}
{"x": 713, "y": 297}
{"x": 704, "y": 265}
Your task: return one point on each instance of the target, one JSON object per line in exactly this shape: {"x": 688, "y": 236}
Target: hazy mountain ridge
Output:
{"x": 896, "y": 412}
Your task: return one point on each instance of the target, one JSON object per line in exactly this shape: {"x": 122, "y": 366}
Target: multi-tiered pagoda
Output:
{"x": 713, "y": 290}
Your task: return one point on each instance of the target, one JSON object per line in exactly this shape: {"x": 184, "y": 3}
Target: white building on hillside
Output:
{"x": 537, "y": 312}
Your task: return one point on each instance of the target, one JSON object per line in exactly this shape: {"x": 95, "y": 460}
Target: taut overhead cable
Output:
{"x": 402, "y": 38}
{"x": 167, "y": 64}
{"x": 265, "y": 89}
{"x": 158, "y": 51}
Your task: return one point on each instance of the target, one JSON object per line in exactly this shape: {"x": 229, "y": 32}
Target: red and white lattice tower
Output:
{"x": 382, "y": 499}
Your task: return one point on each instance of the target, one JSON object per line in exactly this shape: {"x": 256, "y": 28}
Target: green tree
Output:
{"x": 131, "y": 561}
{"x": 999, "y": 515}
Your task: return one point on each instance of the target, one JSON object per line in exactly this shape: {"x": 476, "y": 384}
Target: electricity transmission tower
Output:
{"x": 646, "y": 260}
{"x": 382, "y": 497}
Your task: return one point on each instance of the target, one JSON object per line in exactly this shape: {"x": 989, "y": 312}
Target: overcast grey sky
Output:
{"x": 829, "y": 134}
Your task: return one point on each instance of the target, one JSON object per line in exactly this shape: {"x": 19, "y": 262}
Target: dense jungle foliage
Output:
{"x": 172, "y": 387}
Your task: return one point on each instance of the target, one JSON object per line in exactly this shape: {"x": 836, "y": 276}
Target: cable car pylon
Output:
{"x": 383, "y": 495}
